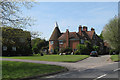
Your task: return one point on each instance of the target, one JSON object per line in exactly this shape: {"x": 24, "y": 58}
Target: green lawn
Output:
{"x": 56, "y": 58}
{"x": 115, "y": 57}
{"x": 11, "y": 69}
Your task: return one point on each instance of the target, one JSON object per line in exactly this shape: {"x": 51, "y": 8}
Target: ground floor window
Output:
{"x": 14, "y": 48}
{"x": 51, "y": 50}
{"x": 4, "y": 48}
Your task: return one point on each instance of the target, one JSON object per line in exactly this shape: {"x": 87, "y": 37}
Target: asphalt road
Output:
{"x": 107, "y": 71}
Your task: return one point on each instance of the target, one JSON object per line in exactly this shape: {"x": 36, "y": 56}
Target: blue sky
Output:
{"x": 72, "y": 14}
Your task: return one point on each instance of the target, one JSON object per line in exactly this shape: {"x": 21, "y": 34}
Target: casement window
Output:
{"x": 60, "y": 42}
{"x": 51, "y": 50}
{"x": 82, "y": 41}
{"x": 13, "y": 48}
{"x": 4, "y": 48}
{"x": 51, "y": 42}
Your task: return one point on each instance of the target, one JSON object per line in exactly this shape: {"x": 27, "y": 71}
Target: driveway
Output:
{"x": 90, "y": 62}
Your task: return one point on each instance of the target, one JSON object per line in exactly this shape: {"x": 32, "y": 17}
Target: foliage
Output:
{"x": 35, "y": 34}
{"x": 18, "y": 38}
{"x": 14, "y": 70}
{"x": 115, "y": 57}
{"x": 55, "y": 58}
{"x": 82, "y": 49}
{"x": 56, "y": 50}
{"x": 11, "y": 13}
{"x": 96, "y": 48}
{"x": 101, "y": 36}
{"x": 66, "y": 50}
{"x": 111, "y": 33}
{"x": 38, "y": 44}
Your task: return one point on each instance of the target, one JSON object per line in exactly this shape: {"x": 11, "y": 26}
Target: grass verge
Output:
{"x": 115, "y": 57}
{"x": 55, "y": 58}
{"x": 17, "y": 70}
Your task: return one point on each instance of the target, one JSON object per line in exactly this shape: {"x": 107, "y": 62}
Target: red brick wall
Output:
{"x": 74, "y": 43}
{"x": 53, "y": 46}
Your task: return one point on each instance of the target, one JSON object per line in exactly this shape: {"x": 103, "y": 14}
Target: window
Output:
{"x": 4, "y": 48}
{"x": 82, "y": 41}
{"x": 14, "y": 48}
{"x": 51, "y": 50}
{"x": 51, "y": 42}
{"x": 60, "y": 42}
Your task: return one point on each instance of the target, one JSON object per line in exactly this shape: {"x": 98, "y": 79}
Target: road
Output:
{"x": 91, "y": 68}
{"x": 107, "y": 71}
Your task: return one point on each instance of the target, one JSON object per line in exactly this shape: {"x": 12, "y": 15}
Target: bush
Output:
{"x": 66, "y": 50}
{"x": 82, "y": 49}
{"x": 56, "y": 51}
{"x": 77, "y": 52}
{"x": 113, "y": 50}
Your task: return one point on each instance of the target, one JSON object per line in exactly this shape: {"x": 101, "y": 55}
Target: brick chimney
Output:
{"x": 84, "y": 28}
{"x": 67, "y": 38}
{"x": 80, "y": 30}
{"x": 92, "y": 29}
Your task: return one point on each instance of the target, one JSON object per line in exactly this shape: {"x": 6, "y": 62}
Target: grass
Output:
{"x": 55, "y": 58}
{"x": 115, "y": 57}
{"x": 13, "y": 70}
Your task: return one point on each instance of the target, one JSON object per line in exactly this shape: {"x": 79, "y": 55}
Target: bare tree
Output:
{"x": 11, "y": 14}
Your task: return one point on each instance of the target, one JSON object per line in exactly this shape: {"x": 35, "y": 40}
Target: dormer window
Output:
{"x": 60, "y": 42}
{"x": 51, "y": 42}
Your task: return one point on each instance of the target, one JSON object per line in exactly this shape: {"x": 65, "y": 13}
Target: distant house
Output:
{"x": 15, "y": 42}
{"x": 72, "y": 39}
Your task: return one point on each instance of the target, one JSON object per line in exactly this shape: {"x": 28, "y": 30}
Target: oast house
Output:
{"x": 61, "y": 40}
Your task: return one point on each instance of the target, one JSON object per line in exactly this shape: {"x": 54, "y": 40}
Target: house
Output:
{"x": 15, "y": 42}
{"x": 72, "y": 39}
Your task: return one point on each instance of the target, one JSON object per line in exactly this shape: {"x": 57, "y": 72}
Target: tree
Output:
{"x": 111, "y": 33}
{"x": 38, "y": 44}
{"x": 11, "y": 14}
{"x": 35, "y": 34}
{"x": 12, "y": 37}
{"x": 101, "y": 35}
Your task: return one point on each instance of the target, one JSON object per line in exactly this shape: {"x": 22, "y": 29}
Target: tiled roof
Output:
{"x": 90, "y": 34}
{"x": 72, "y": 35}
{"x": 56, "y": 34}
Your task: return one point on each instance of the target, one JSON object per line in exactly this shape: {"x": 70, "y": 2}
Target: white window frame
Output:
{"x": 13, "y": 48}
{"x": 60, "y": 42}
{"x": 4, "y": 48}
{"x": 51, "y": 42}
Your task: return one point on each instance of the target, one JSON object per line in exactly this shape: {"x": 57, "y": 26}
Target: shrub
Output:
{"x": 82, "y": 49}
{"x": 77, "y": 52}
{"x": 67, "y": 50}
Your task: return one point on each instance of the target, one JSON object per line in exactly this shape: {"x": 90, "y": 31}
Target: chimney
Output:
{"x": 92, "y": 29}
{"x": 84, "y": 28}
{"x": 67, "y": 38}
{"x": 80, "y": 29}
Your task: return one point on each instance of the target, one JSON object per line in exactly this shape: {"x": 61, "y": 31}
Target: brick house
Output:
{"x": 72, "y": 39}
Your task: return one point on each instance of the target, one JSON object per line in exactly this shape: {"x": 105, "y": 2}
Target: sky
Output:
{"x": 69, "y": 15}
